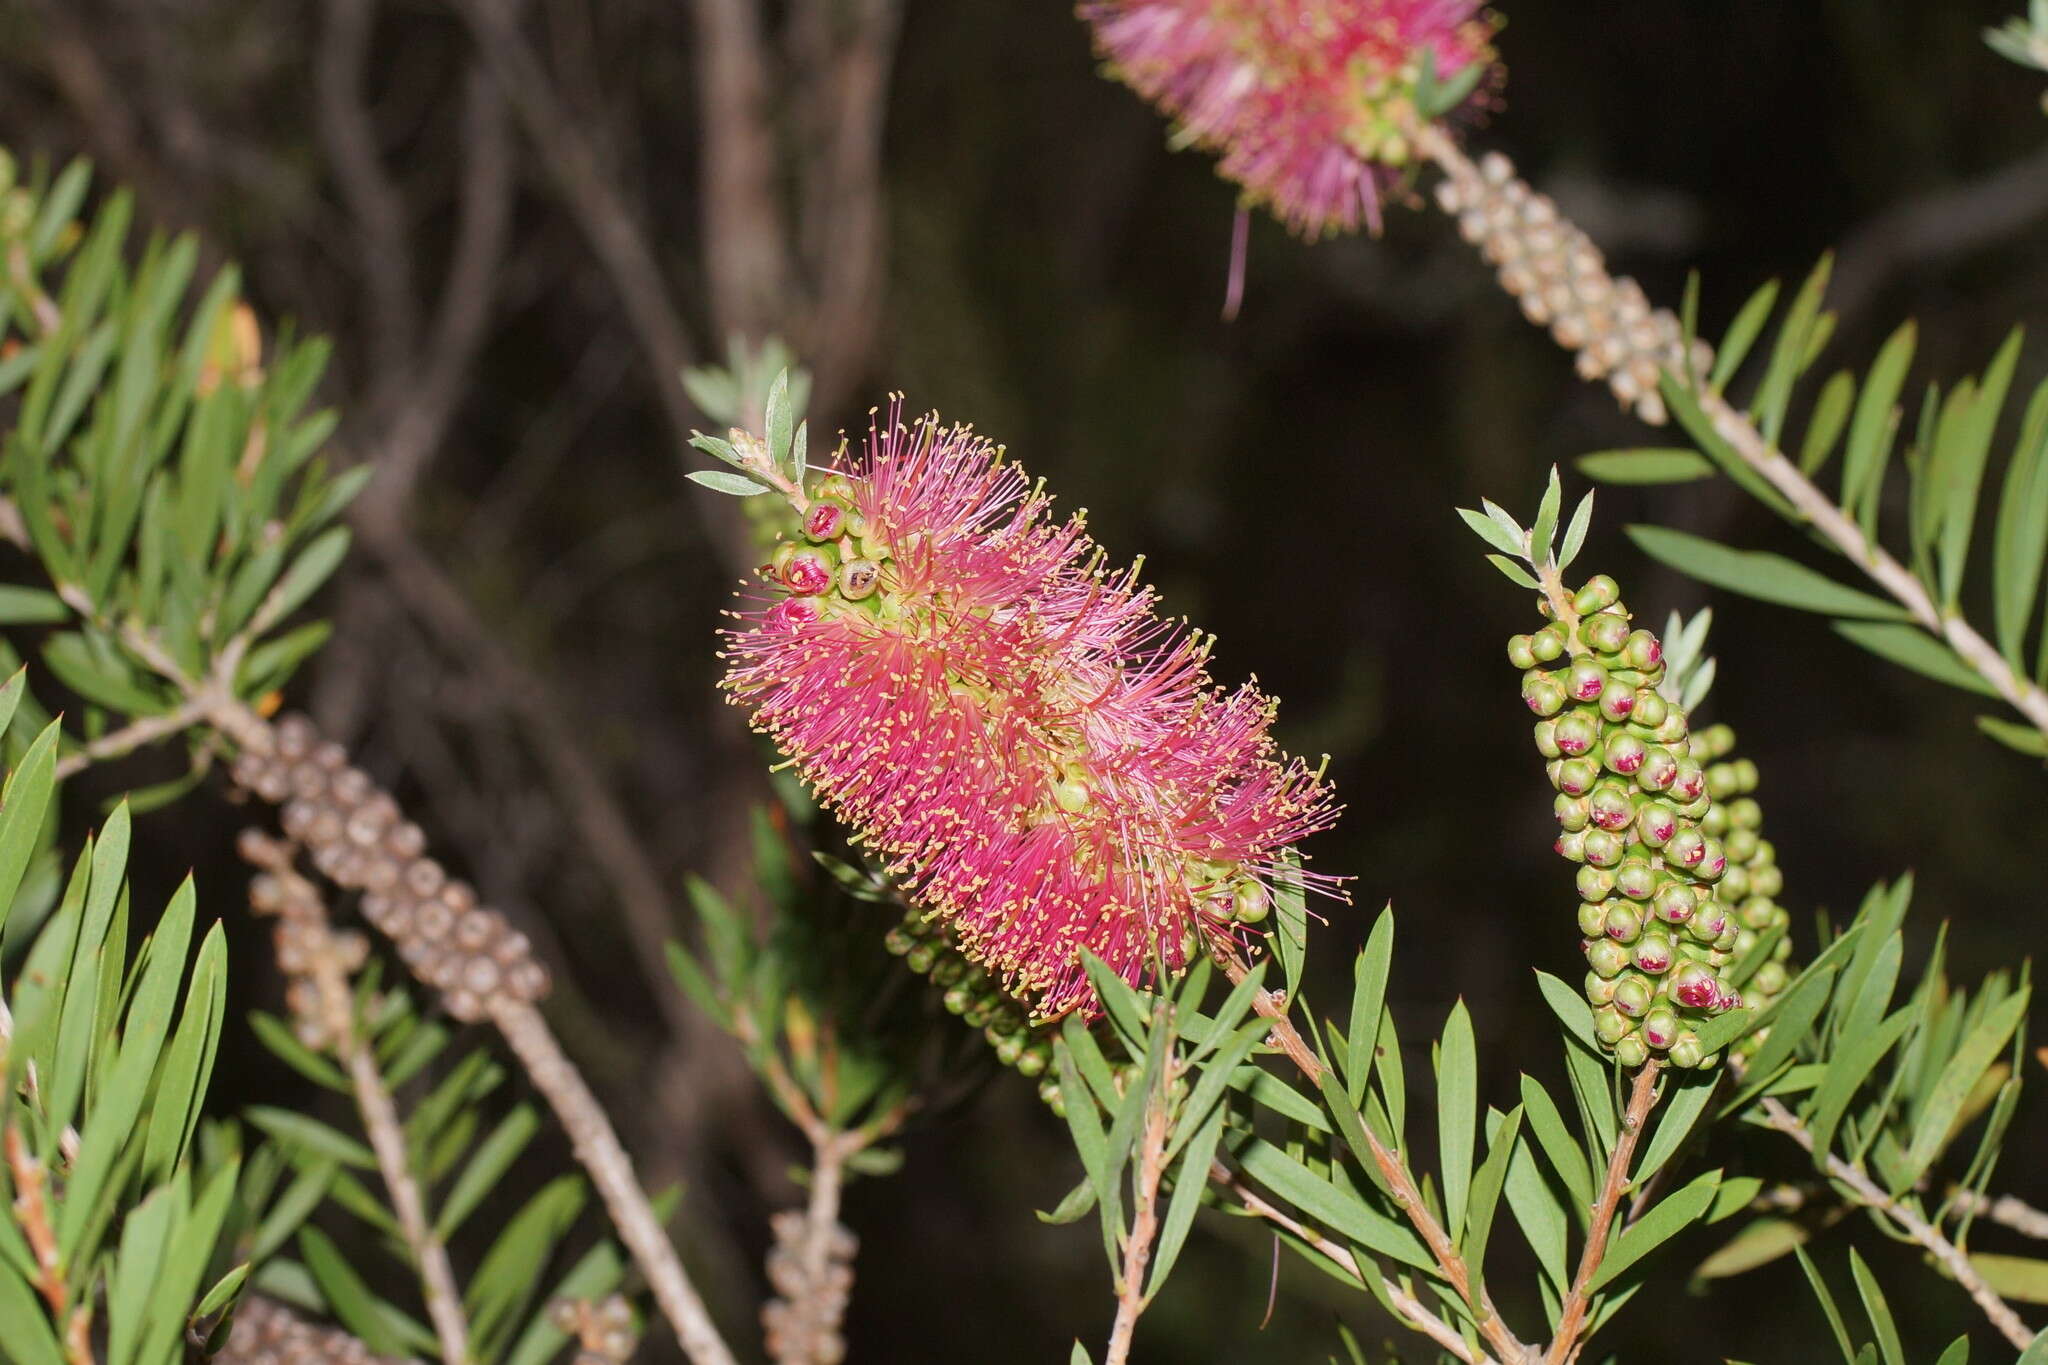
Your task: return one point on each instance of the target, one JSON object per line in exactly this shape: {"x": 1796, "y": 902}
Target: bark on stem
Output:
{"x": 1947, "y": 1254}
{"x": 598, "y": 1148}
{"x": 1572, "y": 1320}
{"x": 1131, "y": 1297}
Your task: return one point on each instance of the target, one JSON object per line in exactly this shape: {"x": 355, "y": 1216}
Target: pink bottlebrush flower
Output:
{"x": 1306, "y": 99}
{"x": 1042, "y": 760}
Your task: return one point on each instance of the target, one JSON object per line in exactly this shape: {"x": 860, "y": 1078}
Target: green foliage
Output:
{"x": 163, "y": 461}
{"x": 116, "y": 1216}
{"x": 1947, "y": 464}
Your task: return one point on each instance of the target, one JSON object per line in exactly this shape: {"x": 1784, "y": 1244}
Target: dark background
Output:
{"x": 531, "y": 606}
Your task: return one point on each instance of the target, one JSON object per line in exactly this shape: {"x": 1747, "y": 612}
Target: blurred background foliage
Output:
{"x": 523, "y": 642}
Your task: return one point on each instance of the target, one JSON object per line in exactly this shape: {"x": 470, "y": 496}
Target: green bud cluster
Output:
{"x": 1753, "y": 880}
{"x": 1639, "y": 813}
{"x": 967, "y": 989}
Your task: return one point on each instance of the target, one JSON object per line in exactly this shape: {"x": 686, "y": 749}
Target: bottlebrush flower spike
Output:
{"x": 1311, "y": 102}
{"x": 1043, "y": 760}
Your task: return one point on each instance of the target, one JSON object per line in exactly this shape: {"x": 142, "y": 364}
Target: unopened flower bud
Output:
{"x": 1686, "y": 848}
{"x": 1576, "y": 776}
{"x": 1686, "y": 1051}
{"x": 1610, "y": 1025}
{"x": 1617, "y": 700}
{"x": 1631, "y": 1051}
{"x": 1656, "y": 824}
{"x": 1600, "y": 591}
{"x": 1574, "y": 813}
{"x": 1610, "y": 807}
{"x": 1642, "y": 651}
{"x": 1595, "y": 883}
{"x": 1623, "y": 922}
{"x": 1585, "y": 680}
{"x": 1651, "y": 708}
{"x": 1676, "y": 902}
{"x": 1548, "y": 644}
{"x": 1521, "y": 652}
{"x": 1635, "y": 879}
{"x": 1576, "y": 734}
{"x": 1632, "y": 996}
{"x": 1652, "y": 954}
{"x": 1543, "y": 696}
{"x": 1605, "y": 633}
{"x": 1626, "y": 754}
{"x": 1603, "y": 848}
{"x": 1606, "y": 957}
{"x": 1660, "y": 1029}
{"x": 1546, "y": 739}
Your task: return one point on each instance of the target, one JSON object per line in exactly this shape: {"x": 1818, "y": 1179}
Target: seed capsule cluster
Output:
{"x": 1634, "y": 804}
{"x": 1753, "y": 880}
{"x": 602, "y": 1329}
{"x": 928, "y": 949}
{"x": 310, "y": 951}
{"x": 268, "y": 1333}
{"x": 1561, "y": 280}
{"x": 802, "y": 1322}
{"x": 360, "y": 840}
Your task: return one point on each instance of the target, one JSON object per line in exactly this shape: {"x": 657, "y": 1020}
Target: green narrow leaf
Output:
{"x": 1492, "y": 532}
{"x": 23, "y": 803}
{"x": 1760, "y": 1242}
{"x": 1742, "y": 333}
{"x": 2013, "y": 1277}
{"x": 1690, "y": 1094}
{"x": 718, "y": 481}
{"x": 1827, "y": 1304}
{"x": 23, "y": 1325}
{"x": 353, "y": 1302}
{"x": 1671, "y": 1216}
{"x": 1540, "y": 1211}
{"x": 490, "y": 1160}
{"x": 1566, "y": 1157}
{"x": 1646, "y": 465}
{"x": 1336, "y": 1209}
{"x": 1368, "y": 999}
{"x": 1575, "y": 534}
{"x": 1189, "y": 1181}
{"x": 1756, "y": 573}
{"x": 1872, "y": 430}
{"x": 1543, "y": 534}
{"x": 1958, "y": 467}
{"x": 1847, "y": 1070}
{"x": 1457, "y": 1110}
{"x": 315, "y": 564}
{"x": 1830, "y": 416}
{"x": 1789, "y": 352}
{"x": 1880, "y": 1312}
{"x": 780, "y": 422}
{"x": 1488, "y": 1185}
{"x": 1931, "y": 1129}
{"x": 2020, "y": 537}
{"x": 2024, "y": 738}
{"x": 1912, "y": 648}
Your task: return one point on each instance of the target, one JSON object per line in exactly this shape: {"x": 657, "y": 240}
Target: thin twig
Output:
{"x": 1951, "y": 1257}
{"x": 1406, "y": 1305}
{"x": 130, "y": 737}
{"x": 1640, "y": 1101}
{"x": 334, "y": 998}
{"x": 1402, "y": 1185}
{"x": 32, "y": 1216}
{"x": 2003, "y": 1210}
{"x": 1131, "y": 1297}
{"x": 598, "y": 1148}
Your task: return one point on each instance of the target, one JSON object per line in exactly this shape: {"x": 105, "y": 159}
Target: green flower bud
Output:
{"x": 920, "y": 958}
{"x": 1035, "y": 1059}
{"x": 1610, "y": 1025}
{"x": 1721, "y": 781}
{"x": 1660, "y": 1028}
{"x": 1656, "y": 824}
{"x": 1734, "y": 884}
{"x": 1546, "y": 739}
{"x": 1689, "y": 783}
{"x": 1766, "y": 855}
{"x": 1521, "y": 653}
{"x": 1595, "y": 883}
{"x": 1571, "y": 844}
{"x": 1653, "y": 954}
{"x": 1576, "y": 776}
{"x": 1715, "y": 821}
{"x": 1600, "y": 592}
{"x": 1745, "y": 813}
{"x": 1603, "y": 849}
{"x": 1676, "y": 902}
{"x": 1659, "y": 767}
{"x": 1686, "y": 1052}
{"x": 1599, "y": 989}
{"x": 1671, "y": 732}
{"x": 1606, "y": 957}
{"x": 1573, "y": 812}
{"x": 949, "y": 970}
{"x": 1741, "y": 846}
{"x": 1713, "y": 742}
{"x": 1643, "y": 651}
{"x": 1685, "y": 848}
{"x": 1625, "y": 754}
{"x": 1543, "y": 696}
{"x": 1730, "y": 934}
{"x": 957, "y": 999}
{"x": 1049, "y": 1091}
{"x": 1576, "y": 733}
{"x": 1009, "y": 1046}
{"x": 1250, "y": 903}
{"x": 1585, "y": 680}
{"x": 1636, "y": 879}
{"x": 1758, "y": 912}
{"x": 1631, "y": 1052}
{"x": 898, "y": 941}
{"x": 1610, "y": 805}
{"x": 1713, "y": 862}
{"x": 1607, "y": 634}
{"x": 1770, "y": 979}
{"x": 1623, "y": 922}
{"x": 1548, "y": 644}
{"x": 1767, "y": 880}
{"x": 1632, "y": 996}
{"x": 1592, "y": 918}
{"x": 1651, "y": 708}
{"x": 1618, "y": 700}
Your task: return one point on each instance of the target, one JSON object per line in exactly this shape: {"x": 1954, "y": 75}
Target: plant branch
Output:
{"x": 130, "y": 737}
{"x": 2003, "y": 1210}
{"x": 598, "y": 1148}
{"x": 1571, "y": 1321}
{"x": 1395, "y": 1171}
{"x": 1819, "y": 510}
{"x": 326, "y": 963}
{"x": 1131, "y": 1298}
{"x": 1947, "y": 1254}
